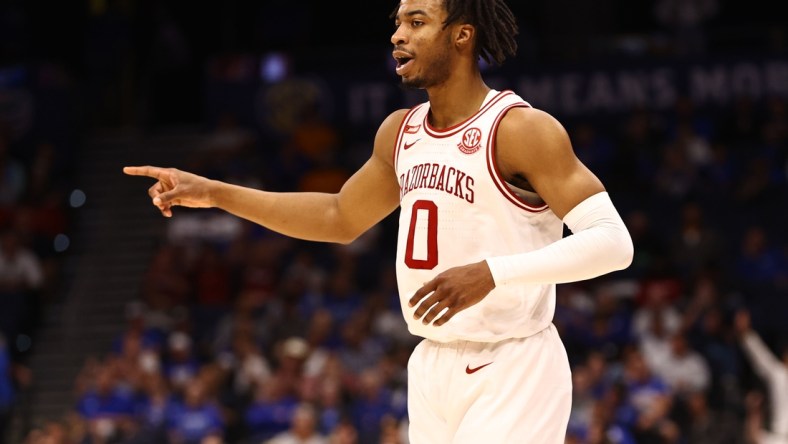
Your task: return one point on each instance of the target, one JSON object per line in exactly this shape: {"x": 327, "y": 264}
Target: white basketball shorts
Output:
{"x": 517, "y": 391}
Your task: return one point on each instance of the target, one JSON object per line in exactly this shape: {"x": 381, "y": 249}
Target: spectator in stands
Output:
{"x": 650, "y": 248}
{"x": 330, "y": 402}
{"x": 655, "y": 342}
{"x": 706, "y": 323}
{"x": 359, "y": 350}
{"x": 181, "y": 366}
{"x": 196, "y": 418}
{"x": 676, "y": 176}
{"x": 612, "y": 419}
{"x": 344, "y": 433}
{"x": 249, "y": 365}
{"x": 20, "y": 276}
{"x": 107, "y": 407}
{"x": 759, "y": 261}
{"x": 608, "y": 329}
{"x": 342, "y": 298}
{"x": 271, "y": 411}
{"x": 583, "y": 401}
{"x": 697, "y": 246}
{"x": 243, "y": 320}
{"x": 657, "y": 302}
{"x": 393, "y": 431}
{"x": 774, "y": 372}
{"x": 650, "y": 399}
{"x": 154, "y": 406}
{"x": 720, "y": 174}
{"x": 322, "y": 341}
{"x": 374, "y": 403}
{"x": 706, "y": 426}
{"x": 683, "y": 369}
{"x": 303, "y": 428}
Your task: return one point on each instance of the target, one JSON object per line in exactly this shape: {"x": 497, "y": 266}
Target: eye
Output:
{"x": 416, "y": 23}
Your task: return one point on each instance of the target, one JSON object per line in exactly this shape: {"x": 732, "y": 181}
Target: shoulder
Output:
{"x": 393, "y": 122}
{"x": 386, "y": 137}
{"x": 528, "y": 136}
{"x": 533, "y": 127}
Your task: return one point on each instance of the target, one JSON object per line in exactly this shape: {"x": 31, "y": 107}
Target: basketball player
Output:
{"x": 484, "y": 182}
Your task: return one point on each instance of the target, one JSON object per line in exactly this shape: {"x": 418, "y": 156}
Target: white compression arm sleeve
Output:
{"x": 600, "y": 243}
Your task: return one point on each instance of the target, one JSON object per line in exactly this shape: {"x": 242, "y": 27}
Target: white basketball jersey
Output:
{"x": 456, "y": 209}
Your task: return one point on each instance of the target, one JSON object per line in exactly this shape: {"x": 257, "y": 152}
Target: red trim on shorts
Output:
{"x": 454, "y": 129}
{"x": 492, "y": 165}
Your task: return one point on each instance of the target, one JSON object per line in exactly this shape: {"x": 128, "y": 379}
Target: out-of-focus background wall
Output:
{"x": 118, "y": 326}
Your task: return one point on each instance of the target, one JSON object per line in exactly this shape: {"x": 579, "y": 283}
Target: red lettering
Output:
{"x": 448, "y": 180}
{"x": 441, "y": 179}
{"x": 433, "y": 175}
{"x": 469, "y": 183}
{"x": 458, "y": 185}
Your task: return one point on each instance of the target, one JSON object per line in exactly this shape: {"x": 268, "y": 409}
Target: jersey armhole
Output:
{"x": 495, "y": 174}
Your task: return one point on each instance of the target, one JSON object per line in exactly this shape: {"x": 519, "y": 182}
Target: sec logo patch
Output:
{"x": 471, "y": 141}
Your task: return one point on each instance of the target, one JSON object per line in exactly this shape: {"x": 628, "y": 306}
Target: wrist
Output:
{"x": 213, "y": 193}
{"x": 500, "y": 269}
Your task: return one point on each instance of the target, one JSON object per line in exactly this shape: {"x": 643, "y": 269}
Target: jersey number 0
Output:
{"x": 423, "y": 210}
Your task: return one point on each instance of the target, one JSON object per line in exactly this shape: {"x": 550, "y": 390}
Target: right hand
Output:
{"x": 174, "y": 187}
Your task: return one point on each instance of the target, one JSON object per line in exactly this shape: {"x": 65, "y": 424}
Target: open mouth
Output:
{"x": 403, "y": 63}
{"x": 403, "y": 60}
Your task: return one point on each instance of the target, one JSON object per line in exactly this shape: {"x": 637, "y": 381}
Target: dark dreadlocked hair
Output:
{"x": 495, "y": 26}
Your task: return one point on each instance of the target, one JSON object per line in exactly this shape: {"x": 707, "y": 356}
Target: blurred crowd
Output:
{"x": 34, "y": 226}
{"x": 240, "y": 335}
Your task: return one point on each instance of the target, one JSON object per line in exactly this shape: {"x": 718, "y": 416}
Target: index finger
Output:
{"x": 149, "y": 171}
{"x": 426, "y": 289}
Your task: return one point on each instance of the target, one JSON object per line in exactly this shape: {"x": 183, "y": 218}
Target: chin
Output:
{"x": 415, "y": 83}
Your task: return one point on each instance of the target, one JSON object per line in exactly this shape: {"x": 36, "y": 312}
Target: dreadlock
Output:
{"x": 495, "y": 26}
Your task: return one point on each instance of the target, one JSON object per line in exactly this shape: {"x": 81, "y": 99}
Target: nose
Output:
{"x": 398, "y": 38}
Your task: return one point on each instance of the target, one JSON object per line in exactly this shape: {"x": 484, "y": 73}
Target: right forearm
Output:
{"x": 762, "y": 359}
{"x": 308, "y": 216}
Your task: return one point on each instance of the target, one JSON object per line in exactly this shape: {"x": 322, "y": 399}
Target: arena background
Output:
{"x": 117, "y": 325}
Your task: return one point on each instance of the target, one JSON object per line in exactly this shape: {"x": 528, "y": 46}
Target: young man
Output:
{"x": 484, "y": 182}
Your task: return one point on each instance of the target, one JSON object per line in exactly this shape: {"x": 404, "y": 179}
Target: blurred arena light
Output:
{"x": 61, "y": 243}
{"x": 77, "y": 198}
{"x": 274, "y": 67}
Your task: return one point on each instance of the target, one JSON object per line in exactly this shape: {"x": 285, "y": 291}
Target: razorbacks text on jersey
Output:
{"x": 456, "y": 209}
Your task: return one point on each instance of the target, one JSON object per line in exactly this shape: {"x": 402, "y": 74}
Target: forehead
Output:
{"x": 429, "y": 7}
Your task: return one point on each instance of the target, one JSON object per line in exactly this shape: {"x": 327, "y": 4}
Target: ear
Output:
{"x": 465, "y": 35}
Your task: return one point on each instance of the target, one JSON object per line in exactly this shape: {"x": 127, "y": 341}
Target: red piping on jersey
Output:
{"x": 454, "y": 129}
{"x": 492, "y": 165}
{"x": 400, "y": 133}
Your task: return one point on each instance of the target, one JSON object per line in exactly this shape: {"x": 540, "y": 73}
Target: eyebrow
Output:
{"x": 412, "y": 13}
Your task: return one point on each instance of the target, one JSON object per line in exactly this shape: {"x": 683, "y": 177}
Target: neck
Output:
{"x": 455, "y": 100}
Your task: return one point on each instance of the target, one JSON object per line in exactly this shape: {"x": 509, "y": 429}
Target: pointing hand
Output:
{"x": 174, "y": 187}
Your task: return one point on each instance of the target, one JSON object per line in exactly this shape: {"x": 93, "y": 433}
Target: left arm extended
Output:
{"x": 532, "y": 145}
